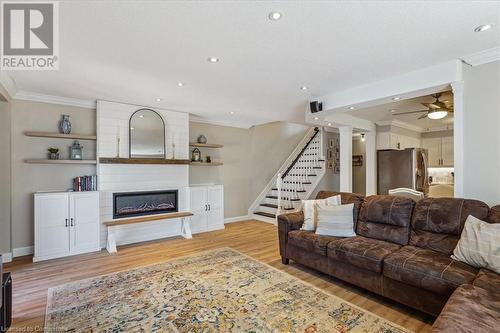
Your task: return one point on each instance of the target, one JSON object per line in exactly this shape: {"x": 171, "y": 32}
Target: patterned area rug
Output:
{"x": 216, "y": 291}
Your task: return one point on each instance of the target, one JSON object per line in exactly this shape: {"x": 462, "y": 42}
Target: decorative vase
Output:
{"x": 53, "y": 156}
{"x": 202, "y": 139}
{"x": 209, "y": 159}
{"x": 65, "y": 124}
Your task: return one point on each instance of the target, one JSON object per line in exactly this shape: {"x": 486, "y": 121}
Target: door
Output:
{"x": 84, "y": 222}
{"x": 433, "y": 146}
{"x": 215, "y": 195}
{"x": 447, "y": 151}
{"x": 199, "y": 208}
{"x": 51, "y": 225}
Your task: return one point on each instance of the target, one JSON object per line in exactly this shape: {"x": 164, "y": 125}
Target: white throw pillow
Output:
{"x": 308, "y": 207}
{"x": 335, "y": 220}
{"x": 479, "y": 244}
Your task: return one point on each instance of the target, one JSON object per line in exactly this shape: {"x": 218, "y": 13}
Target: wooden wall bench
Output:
{"x": 185, "y": 227}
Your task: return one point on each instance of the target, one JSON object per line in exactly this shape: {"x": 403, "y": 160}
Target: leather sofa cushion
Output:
{"x": 309, "y": 241}
{"x": 488, "y": 280}
{"x": 362, "y": 252}
{"x": 427, "y": 269}
{"x": 469, "y": 309}
{"x": 386, "y": 218}
{"x": 345, "y": 198}
{"x": 494, "y": 214}
{"x": 438, "y": 222}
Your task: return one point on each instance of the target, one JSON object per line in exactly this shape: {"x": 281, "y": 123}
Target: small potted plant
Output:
{"x": 53, "y": 153}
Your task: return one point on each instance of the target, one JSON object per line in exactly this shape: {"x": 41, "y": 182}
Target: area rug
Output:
{"x": 215, "y": 291}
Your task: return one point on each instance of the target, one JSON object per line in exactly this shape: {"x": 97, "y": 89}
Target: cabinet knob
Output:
{"x": 66, "y": 222}
{"x": 72, "y": 222}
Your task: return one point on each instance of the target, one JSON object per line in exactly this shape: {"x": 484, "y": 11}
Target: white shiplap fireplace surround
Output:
{"x": 113, "y": 122}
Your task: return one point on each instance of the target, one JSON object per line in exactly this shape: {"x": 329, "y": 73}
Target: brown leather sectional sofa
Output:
{"x": 402, "y": 251}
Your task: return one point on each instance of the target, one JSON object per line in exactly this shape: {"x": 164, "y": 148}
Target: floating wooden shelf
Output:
{"x": 205, "y": 145}
{"x": 46, "y": 161}
{"x": 115, "y": 160}
{"x": 148, "y": 218}
{"x": 206, "y": 164}
{"x": 61, "y": 136}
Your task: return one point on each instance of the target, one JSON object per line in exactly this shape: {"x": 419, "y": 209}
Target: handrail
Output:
{"x": 290, "y": 167}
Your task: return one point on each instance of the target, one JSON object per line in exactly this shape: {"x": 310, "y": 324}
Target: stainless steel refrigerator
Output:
{"x": 403, "y": 168}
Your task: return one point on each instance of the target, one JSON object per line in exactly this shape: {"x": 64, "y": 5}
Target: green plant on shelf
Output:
{"x": 53, "y": 150}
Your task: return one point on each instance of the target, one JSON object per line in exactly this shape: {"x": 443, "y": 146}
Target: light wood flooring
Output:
{"x": 257, "y": 239}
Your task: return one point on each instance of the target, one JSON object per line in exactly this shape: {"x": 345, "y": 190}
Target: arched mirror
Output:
{"x": 147, "y": 135}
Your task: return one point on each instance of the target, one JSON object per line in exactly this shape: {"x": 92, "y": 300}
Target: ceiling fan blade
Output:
{"x": 431, "y": 106}
{"x": 423, "y": 116}
{"x": 409, "y": 112}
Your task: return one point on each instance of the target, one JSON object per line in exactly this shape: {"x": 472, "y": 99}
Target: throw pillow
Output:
{"x": 310, "y": 211}
{"x": 479, "y": 244}
{"x": 335, "y": 220}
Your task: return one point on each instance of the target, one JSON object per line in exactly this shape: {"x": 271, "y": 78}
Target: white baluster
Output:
{"x": 279, "y": 182}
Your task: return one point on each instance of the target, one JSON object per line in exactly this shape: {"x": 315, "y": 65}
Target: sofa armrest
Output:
{"x": 287, "y": 223}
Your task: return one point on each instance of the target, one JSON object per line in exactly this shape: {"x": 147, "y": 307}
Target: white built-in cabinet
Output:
{"x": 440, "y": 150}
{"x": 207, "y": 205}
{"x": 66, "y": 223}
{"x": 389, "y": 140}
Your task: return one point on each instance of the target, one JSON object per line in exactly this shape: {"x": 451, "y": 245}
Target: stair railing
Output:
{"x": 296, "y": 182}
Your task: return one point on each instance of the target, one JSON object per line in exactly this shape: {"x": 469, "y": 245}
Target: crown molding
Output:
{"x": 482, "y": 57}
{"x": 8, "y": 84}
{"x": 197, "y": 119}
{"x": 401, "y": 124}
{"x": 37, "y": 97}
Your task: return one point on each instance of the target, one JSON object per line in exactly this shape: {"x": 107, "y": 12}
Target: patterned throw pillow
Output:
{"x": 308, "y": 207}
{"x": 479, "y": 244}
{"x": 335, "y": 220}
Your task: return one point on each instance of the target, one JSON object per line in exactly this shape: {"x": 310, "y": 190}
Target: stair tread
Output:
{"x": 294, "y": 182}
{"x": 302, "y": 175}
{"x": 298, "y": 191}
{"x": 272, "y": 206}
{"x": 275, "y": 197}
{"x": 273, "y": 216}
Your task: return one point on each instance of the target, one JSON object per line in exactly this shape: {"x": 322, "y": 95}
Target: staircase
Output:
{"x": 295, "y": 181}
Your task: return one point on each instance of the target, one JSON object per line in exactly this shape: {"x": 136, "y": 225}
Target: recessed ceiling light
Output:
{"x": 482, "y": 28}
{"x": 159, "y": 99}
{"x": 180, "y": 84}
{"x": 213, "y": 59}
{"x": 352, "y": 108}
{"x": 232, "y": 112}
{"x": 303, "y": 88}
{"x": 274, "y": 16}
{"x": 329, "y": 124}
{"x": 396, "y": 98}
{"x": 316, "y": 118}
{"x": 141, "y": 116}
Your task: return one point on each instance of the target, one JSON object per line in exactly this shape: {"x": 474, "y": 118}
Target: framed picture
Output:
{"x": 336, "y": 168}
{"x": 329, "y": 154}
{"x": 329, "y": 164}
{"x": 357, "y": 160}
{"x": 331, "y": 142}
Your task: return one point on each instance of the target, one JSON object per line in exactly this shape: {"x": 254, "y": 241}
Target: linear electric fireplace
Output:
{"x": 128, "y": 204}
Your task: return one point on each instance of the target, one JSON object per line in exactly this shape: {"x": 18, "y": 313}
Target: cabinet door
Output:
{"x": 447, "y": 151}
{"x": 51, "y": 225}
{"x": 215, "y": 207}
{"x": 199, "y": 207}
{"x": 84, "y": 222}
{"x": 433, "y": 146}
{"x": 395, "y": 141}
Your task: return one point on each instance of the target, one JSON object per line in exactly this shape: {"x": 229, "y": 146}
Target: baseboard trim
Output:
{"x": 6, "y": 257}
{"x": 236, "y": 219}
{"x": 22, "y": 251}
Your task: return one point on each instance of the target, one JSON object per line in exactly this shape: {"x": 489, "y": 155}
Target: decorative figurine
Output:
{"x": 196, "y": 155}
{"x": 208, "y": 159}
{"x": 65, "y": 124}
{"x": 75, "y": 151}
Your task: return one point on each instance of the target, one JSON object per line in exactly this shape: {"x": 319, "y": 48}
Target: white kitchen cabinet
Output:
{"x": 440, "y": 151}
{"x": 207, "y": 205}
{"x": 66, "y": 223}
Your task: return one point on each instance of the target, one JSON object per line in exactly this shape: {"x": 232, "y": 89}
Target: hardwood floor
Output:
{"x": 257, "y": 239}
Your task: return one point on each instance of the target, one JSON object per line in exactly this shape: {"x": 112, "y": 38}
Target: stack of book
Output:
{"x": 85, "y": 183}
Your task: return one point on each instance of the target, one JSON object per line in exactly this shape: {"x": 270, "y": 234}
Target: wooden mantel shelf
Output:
{"x": 205, "y": 145}
{"x": 149, "y": 218}
{"x": 116, "y": 160}
{"x": 60, "y": 135}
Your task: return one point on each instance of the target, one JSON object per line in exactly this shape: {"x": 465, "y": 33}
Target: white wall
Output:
{"x": 331, "y": 180}
{"x": 359, "y": 172}
{"x": 5, "y": 185}
{"x": 481, "y": 132}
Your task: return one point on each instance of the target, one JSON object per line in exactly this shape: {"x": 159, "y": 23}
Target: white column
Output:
{"x": 345, "y": 158}
{"x": 371, "y": 162}
{"x": 458, "y": 137}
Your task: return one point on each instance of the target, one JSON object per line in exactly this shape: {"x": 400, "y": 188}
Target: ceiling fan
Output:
{"x": 435, "y": 110}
